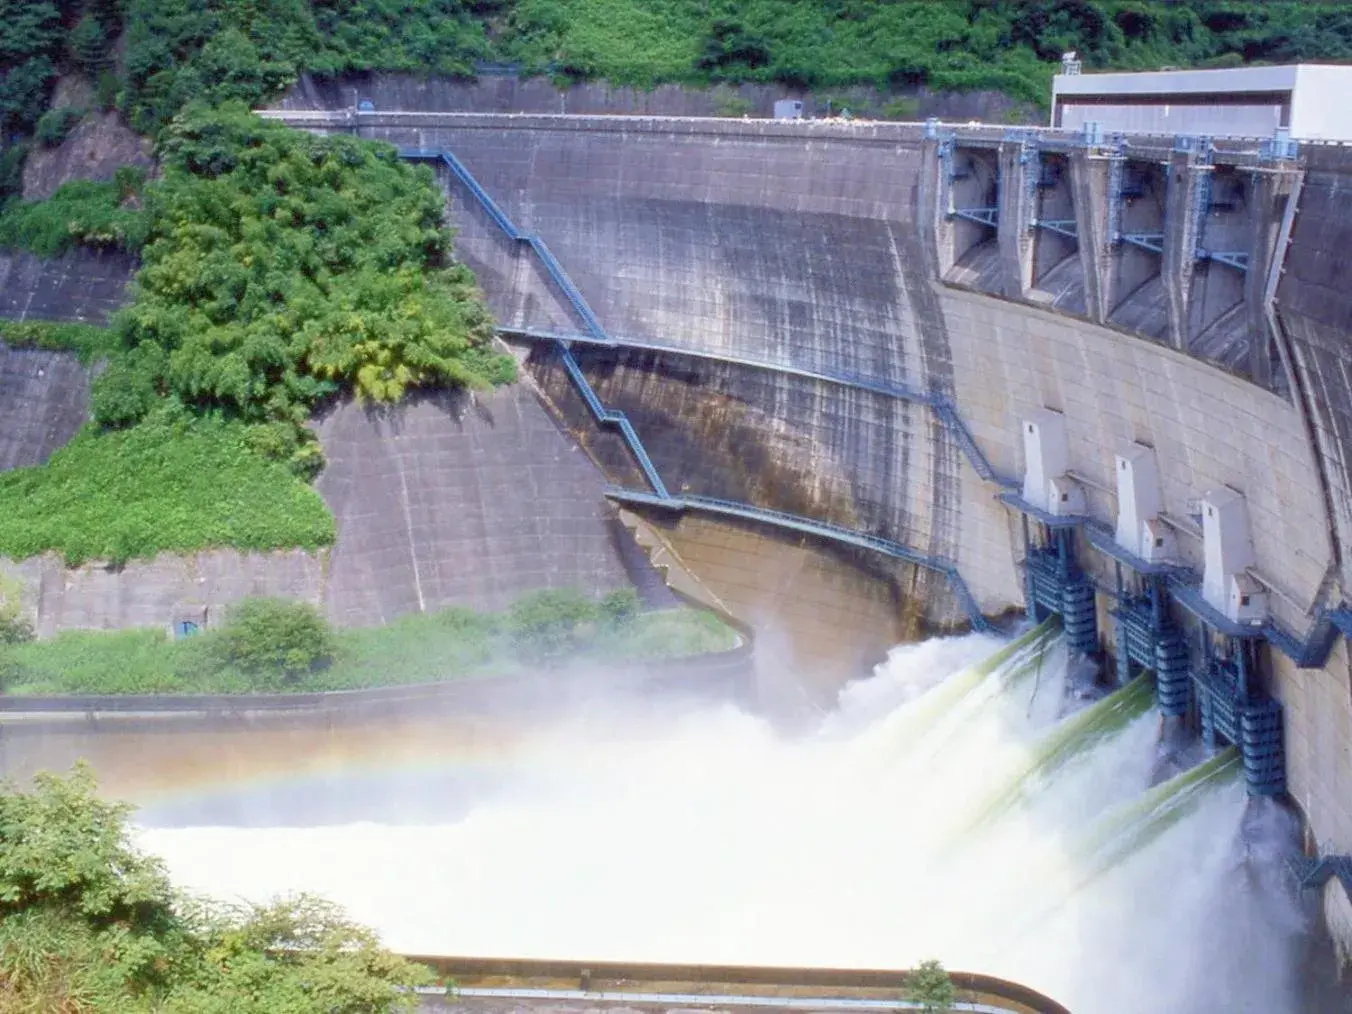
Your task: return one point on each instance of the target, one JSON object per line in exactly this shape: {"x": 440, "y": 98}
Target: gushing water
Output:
{"x": 942, "y": 810}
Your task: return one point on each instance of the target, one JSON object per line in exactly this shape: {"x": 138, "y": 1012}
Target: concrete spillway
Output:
{"x": 700, "y": 835}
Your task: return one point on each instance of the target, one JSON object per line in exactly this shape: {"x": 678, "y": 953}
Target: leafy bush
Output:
{"x": 55, "y": 124}
{"x": 282, "y": 268}
{"x": 80, "y": 212}
{"x": 620, "y": 606}
{"x": 90, "y": 923}
{"x": 15, "y": 628}
{"x": 547, "y": 624}
{"x": 929, "y": 986}
{"x": 170, "y": 484}
{"x": 267, "y": 635}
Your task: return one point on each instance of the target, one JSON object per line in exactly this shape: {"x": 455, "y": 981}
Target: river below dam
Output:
{"x": 958, "y": 804}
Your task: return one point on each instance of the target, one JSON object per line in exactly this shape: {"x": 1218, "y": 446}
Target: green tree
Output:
{"x": 929, "y": 985}
{"x": 30, "y": 39}
{"x": 265, "y": 635}
{"x": 89, "y": 923}
{"x": 88, "y": 46}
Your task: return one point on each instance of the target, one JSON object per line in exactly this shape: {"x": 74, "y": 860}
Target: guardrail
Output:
{"x": 660, "y": 494}
{"x": 788, "y": 987}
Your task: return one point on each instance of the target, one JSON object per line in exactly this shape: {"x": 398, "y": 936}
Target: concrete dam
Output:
{"x": 860, "y": 382}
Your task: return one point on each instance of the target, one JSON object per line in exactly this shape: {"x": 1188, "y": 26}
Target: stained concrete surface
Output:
{"x": 83, "y": 286}
{"x": 507, "y": 93}
{"x": 98, "y": 146}
{"x": 44, "y": 400}
{"x": 453, "y": 499}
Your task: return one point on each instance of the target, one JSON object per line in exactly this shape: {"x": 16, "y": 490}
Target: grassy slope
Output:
{"x": 415, "y": 649}
{"x": 163, "y": 486}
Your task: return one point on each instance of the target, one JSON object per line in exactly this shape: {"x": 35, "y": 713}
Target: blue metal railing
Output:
{"x": 1314, "y": 872}
{"x": 942, "y": 407}
{"x": 660, "y": 495}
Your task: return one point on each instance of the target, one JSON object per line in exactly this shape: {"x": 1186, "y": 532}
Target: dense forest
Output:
{"x": 150, "y": 56}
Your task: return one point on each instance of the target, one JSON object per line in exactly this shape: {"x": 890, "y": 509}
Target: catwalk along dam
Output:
{"x": 855, "y": 375}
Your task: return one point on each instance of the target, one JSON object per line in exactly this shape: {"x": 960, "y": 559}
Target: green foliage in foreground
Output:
{"x": 421, "y": 648}
{"x": 175, "y": 483}
{"x": 81, "y": 212}
{"x": 90, "y": 925}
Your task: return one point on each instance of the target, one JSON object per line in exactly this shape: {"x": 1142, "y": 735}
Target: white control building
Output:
{"x": 1308, "y": 101}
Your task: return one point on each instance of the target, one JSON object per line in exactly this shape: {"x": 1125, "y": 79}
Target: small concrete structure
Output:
{"x": 789, "y": 109}
{"x": 1228, "y": 551}
{"x": 1138, "y": 501}
{"x": 1303, "y": 99}
{"x": 1046, "y": 456}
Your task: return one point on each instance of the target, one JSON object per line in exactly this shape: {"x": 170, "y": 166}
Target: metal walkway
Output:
{"x": 940, "y": 405}
{"x": 660, "y": 496}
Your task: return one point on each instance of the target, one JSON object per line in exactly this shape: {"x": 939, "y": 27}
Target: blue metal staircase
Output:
{"x": 660, "y": 496}
{"x": 1314, "y": 872}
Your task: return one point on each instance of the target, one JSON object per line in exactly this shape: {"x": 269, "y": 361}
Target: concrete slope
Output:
{"x": 458, "y": 500}
{"x": 44, "y": 400}
{"x": 83, "y": 285}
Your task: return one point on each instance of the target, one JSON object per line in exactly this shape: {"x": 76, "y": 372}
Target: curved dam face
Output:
{"x": 767, "y": 280}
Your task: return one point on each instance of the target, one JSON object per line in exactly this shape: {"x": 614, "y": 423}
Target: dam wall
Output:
{"x": 1152, "y": 292}
{"x": 800, "y": 246}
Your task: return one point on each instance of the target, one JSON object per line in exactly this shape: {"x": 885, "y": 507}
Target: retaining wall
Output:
{"x": 202, "y": 741}
{"x": 83, "y": 286}
{"x": 508, "y": 93}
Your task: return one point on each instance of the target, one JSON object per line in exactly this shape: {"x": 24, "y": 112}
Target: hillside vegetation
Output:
{"x": 215, "y": 50}
{"x": 279, "y": 269}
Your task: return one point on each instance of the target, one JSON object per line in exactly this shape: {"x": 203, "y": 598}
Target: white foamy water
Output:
{"x": 708, "y": 837}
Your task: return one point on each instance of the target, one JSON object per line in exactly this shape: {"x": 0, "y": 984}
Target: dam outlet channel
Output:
{"x": 948, "y": 807}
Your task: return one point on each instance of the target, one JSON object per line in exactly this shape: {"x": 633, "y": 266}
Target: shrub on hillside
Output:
{"x": 283, "y": 268}
{"x": 81, "y": 212}
{"x": 551, "y": 623}
{"x": 56, "y": 124}
{"x": 267, "y": 635}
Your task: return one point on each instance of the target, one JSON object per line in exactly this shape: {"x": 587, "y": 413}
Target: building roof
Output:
{"x": 1201, "y": 82}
